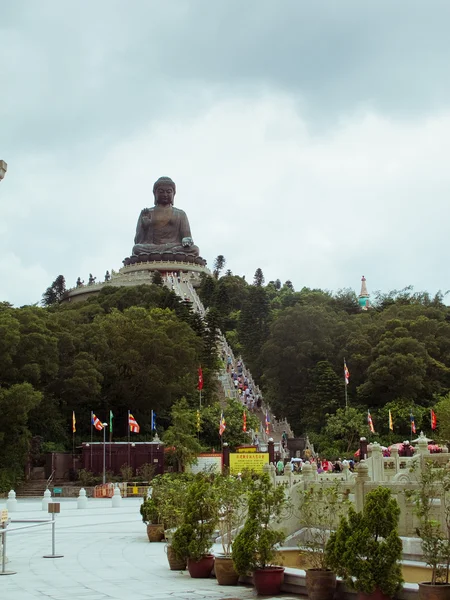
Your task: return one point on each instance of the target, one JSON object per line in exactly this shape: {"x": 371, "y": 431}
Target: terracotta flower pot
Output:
{"x": 201, "y": 569}
{"x": 225, "y": 571}
{"x": 268, "y": 581}
{"x": 155, "y": 533}
{"x": 376, "y": 595}
{"x": 439, "y": 591}
{"x": 175, "y": 563}
{"x": 320, "y": 584}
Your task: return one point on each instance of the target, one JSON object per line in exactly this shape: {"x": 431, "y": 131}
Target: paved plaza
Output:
{"x": 107, "y": 556}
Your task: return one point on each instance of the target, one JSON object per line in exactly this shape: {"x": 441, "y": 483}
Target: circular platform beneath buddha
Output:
{"x": 165, "y": 257}
{"x": 140, "y": 273}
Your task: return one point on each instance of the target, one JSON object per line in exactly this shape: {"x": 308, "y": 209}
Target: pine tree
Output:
{"x": 156, "y": 278}
{"x": 218, "y": 265}
{"x": 55, "y": 292}
{"x": 258, "y": 278}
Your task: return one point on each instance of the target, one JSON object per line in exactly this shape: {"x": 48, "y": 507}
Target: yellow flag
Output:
{"x": 391, "y": 423}
{"x": 74, "y": 422}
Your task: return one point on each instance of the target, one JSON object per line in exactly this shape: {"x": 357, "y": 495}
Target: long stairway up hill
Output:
{"x": 184, "y": 289}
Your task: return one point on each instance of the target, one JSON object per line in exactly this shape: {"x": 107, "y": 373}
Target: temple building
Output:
{"x": 364, "y": 298}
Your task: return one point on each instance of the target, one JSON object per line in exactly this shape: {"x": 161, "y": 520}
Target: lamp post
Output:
{"x": 105, "y": 425}
{"x": 3, "y": 169}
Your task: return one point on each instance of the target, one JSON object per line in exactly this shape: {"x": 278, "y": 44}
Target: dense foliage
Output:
{"x": 135, "y": 349}
{"x": 397, "y": 352}
{"x": 140, "y": 349}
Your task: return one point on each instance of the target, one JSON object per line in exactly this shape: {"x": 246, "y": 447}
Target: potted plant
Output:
{"x": 365, "y": 550}
{"x": 150, "y": 516}
{"x": 232, "y": 498}
{"x": 194, "y": 537}
{"x": 254, "y": 548}
{"x": 320, "y": 508}
{"x": 173, "y": 487}
{"x": 434, "y": 529}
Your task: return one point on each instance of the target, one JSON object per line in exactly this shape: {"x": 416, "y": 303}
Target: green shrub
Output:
{"x": 366, "y": 549}
{"x": 254, "y": 546}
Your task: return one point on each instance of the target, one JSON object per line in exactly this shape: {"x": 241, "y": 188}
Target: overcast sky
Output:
{"x": 310, "y": 139}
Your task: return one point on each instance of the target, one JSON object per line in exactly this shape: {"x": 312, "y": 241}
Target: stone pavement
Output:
{"x": 106, "y": 557}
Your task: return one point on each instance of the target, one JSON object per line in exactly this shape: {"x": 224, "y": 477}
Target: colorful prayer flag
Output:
{"x": 391, "y": 422}
{"x": 200, "y": 379}
{"x": 433, "y": 420}
{"x": 96, "y": 422}
{"x": 133, "y": 424}
{"x": 413, "y": 424}
{"x": 370, "y": 422}
{"x": 111, "y": 417}
{"x": 244, "y": 421}
{"x": 153, "y": 420}
{"x": 222, "y": 424}
{"x": 267, "y": 421}
{"x": 74, "y": 422}
{"x": 346, "y": 373}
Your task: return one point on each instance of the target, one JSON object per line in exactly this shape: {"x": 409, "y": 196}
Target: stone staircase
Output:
{"x": 184, "y": 289}
{"x": 32, "y": 489}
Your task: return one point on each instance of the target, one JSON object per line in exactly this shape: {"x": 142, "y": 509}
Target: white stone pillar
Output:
{"x": 46, "y": 499}
{"x": 117, "y": 498}
{"x": 11, "y": 503}
{"x": 82, "y": 500}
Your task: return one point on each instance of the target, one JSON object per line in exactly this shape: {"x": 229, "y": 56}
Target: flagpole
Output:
{"x": 92, "y": 429}
{"x": 345, "y": 386}
{"x": 129, "y": 449}
{"x": 110, "y": 438}
{"x": 73, "y": 443}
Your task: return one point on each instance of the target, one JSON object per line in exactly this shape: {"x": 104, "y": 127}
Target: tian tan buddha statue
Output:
{"x": 163, "y": 232}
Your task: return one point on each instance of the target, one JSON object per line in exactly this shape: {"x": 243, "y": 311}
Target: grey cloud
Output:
{"x": 103, "y": 68}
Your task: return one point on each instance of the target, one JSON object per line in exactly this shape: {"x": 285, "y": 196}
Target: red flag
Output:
{"x": 200, "y": 379}
{"x": 133, "y": 424}
{"x": 244, "y": 421}
{"x": 222, "y": 424}
{"x": 96, "y": 422}
{"x": 346, "y": 373}
{"x": 370, "y": 422}
{"x": 267, "y": 422}
{"x": 433, "y": 419}
{"x": 413, "y": 423}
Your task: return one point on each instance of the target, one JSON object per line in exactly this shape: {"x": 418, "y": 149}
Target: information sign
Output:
{"x": 250, "y": 461}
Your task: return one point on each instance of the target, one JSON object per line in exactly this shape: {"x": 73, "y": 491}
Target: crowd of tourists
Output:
{"x": 249, "y": 398}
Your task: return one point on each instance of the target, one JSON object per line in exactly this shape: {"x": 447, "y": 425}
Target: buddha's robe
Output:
{"x": 161, "y": 229}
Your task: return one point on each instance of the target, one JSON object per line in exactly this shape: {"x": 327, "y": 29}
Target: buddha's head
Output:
{"x": 164, "y": 191}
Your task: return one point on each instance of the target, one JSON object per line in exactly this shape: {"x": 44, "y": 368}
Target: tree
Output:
{"x": 253, "y": 326}
{"x": 156, "y": 278}
{"x": 325, "y": 395}
{"x": 180, "y": 437}
{"x": 346, "y": 427}
{"x": 442, "y": 410}
{"x": 55, "y": 292}
{"x": 15, "y": 406}
{"x": 206, "y": 289}
{"x": 258, "y": 278}
{"x": 218, "y": 265}
{"x": 233, "y": 435}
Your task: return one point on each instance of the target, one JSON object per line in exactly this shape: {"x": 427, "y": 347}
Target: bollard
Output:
{"x": 11, "y": 503}
{"x": 82, "y": 500}
{"x": 117, "y": 498}
{"x": 46, "y": 499}
{"x": 53, "y": 508}
{"x": 3, "y": 532}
